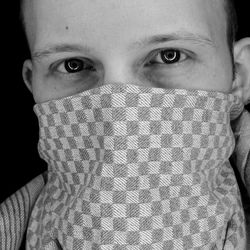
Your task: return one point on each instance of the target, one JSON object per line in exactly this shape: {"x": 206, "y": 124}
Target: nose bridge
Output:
{"x": 117, "y": 69}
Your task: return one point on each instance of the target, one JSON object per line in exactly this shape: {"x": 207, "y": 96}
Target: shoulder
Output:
{"x": 15, "y": 210}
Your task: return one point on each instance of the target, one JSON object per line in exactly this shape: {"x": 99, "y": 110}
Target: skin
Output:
{"x": 107, "y": 36}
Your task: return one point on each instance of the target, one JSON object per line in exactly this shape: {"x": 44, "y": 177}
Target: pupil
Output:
{"x": 170, "y": 56}
{"x": 73, "y": 65}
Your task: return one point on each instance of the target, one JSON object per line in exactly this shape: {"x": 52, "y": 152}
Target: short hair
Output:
{"x": 232, "y": 22}
{"x": 231, "y": 15}
{"x": 232, "y": 29}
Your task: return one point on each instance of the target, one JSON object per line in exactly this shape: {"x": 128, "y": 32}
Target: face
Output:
{"x": 77, "y": 45}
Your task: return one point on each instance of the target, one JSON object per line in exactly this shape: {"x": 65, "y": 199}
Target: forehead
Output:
{"x": 49, "y": 21}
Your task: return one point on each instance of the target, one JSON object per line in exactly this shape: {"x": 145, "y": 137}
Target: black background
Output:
{"x": 19, "y": 127}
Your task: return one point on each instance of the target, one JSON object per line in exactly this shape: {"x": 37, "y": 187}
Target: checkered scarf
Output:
{"x": 131, "y": 167}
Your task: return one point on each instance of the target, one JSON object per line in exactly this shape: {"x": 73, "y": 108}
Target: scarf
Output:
{"x": 132, "y": 167}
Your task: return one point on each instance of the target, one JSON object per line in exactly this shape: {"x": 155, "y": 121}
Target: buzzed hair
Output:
{"x": 232, "y": 28}
{"x": 232, "y": 22}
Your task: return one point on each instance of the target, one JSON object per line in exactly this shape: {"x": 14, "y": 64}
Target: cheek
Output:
{"x": 210, "y": 80}
{"x": 197, "y": 77}
{"x": 42, "y": 87}
{"x": 211, "y": 76}
{"x": 171, "y": 77}
{"x": 221, "y": 78}
{"x": 47, "y": 87}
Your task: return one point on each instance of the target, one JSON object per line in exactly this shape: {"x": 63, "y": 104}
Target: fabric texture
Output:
{"x": 15, "y": 212}
{"x": 132, "y": 167}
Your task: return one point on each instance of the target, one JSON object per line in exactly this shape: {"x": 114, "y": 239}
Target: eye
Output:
{"x": 74, "y": 65}
{"x": 169, "y": 56}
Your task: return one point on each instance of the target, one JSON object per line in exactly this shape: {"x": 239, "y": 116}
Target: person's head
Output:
{"x": 80, "y": 44}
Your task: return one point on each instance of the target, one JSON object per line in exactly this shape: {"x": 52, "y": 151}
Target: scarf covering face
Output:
{"x": 132, "y": 167}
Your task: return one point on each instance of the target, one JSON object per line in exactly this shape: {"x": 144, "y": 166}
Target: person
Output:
{"x": 134, "y": 101}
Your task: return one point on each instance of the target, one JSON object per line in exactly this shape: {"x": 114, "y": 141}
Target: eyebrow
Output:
{"x": 175, "y": 36}
{"x": 60, "y": 48}
{"x": 147, "y": 41}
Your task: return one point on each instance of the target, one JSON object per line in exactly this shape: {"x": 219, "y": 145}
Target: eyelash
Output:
{"x": 152, "y": 62}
